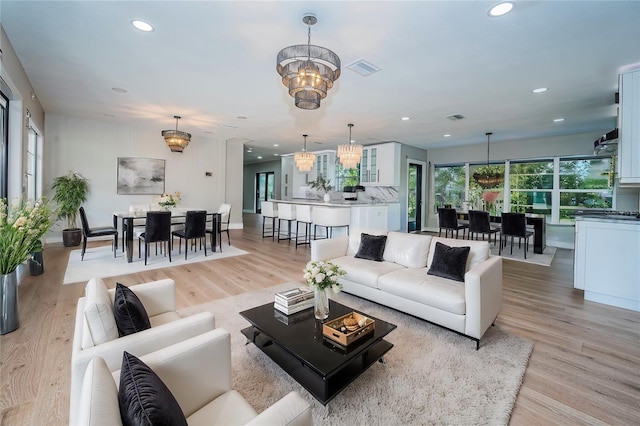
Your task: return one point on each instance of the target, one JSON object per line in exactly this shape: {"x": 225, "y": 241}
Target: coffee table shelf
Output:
{"x": 322, "y": 367}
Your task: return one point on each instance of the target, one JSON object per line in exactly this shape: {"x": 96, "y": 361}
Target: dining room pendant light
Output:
{"x": 486, "y": 177}
{"x": 304, "y": 160}
{"x": 308, "y": 71}
{"x": 176, "y": 140}
{"x": 350, "y": 153}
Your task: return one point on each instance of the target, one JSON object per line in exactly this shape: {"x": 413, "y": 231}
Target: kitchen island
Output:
{"x": 607, "y": 266}
{"x": 364, "y": 215}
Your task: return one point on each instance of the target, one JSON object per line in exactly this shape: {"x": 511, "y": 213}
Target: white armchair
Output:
{"x": 96, "y": 333}
{"x": 197, "y": 372}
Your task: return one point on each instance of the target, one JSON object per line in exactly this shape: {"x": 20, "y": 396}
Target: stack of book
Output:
{"x": 294, "y": 300}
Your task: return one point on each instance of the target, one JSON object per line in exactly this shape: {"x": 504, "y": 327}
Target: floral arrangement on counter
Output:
{"x": 169, "y": 200}
{"x": 21, "y": 228}
{"x": 319, "y": 275}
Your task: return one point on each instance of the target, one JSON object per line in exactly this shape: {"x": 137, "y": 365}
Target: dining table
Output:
{"x": 537, "y": 221}
{"x": 178, "y": 216}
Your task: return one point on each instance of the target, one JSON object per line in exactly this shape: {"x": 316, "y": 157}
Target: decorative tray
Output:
{"x": 357, "y": 326}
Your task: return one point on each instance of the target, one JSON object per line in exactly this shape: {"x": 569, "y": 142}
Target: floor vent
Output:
{"x": 455, "y": 117}
{"x": 363, "y": 67}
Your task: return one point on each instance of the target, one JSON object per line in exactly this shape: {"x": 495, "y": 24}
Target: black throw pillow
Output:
{"x": 371, "y": 247}
{"x": 143, "y": 398}
{"x": 449, "y": 262}
{"x": 129, "y": 312}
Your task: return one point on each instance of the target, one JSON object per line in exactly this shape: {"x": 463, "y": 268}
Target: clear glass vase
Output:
{"x": 320, "y": 304}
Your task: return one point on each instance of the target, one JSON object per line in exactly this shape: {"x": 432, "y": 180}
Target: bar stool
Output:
{"x": 303, "y": 215}
{"x": 329, "y": 218}
{"x": 286, "y": 212}
{"x": 269, "y": 210}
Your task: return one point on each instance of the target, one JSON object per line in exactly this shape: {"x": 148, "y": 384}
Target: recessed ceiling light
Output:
{"x": 275, "y": 155}
{"x": 119, "y": 90}
{"x": 108, "y": 115}
{"x": 405, "y": 118}
{"x": 558, "y": 120}
{"x": 241, "y": 117}
{"x": 142, "y": 26}
{"x": 540, "y": 90}
{"x": 447, "y": 135}
{"x": 259, "y": 157}
{"x": 501, "y": 9}
{"x": 275, "y": 144}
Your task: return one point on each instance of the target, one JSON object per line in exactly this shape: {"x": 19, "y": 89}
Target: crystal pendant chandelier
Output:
{"x": 486, "y": 177}
{"x": 176, "y": 140}
{"x": 350, "y": 153}
{"x": 308, "y": 71}
{"x": 304, "y": 160}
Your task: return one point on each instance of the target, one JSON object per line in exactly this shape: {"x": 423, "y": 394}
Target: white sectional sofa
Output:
{"x": 401, "y": 281}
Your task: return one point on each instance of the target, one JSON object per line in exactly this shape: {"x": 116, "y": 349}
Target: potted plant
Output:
{"x": 324, "y": 185}
{"x": 71, "y": 190}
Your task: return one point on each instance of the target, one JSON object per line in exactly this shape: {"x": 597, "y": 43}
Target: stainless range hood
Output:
{"x": 607, "y": 144}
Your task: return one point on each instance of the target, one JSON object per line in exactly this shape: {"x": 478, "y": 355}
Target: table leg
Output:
{"x": 129, "y": 238}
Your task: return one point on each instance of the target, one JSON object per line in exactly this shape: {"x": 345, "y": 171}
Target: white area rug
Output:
{"x": 99, "y": 261}
{"x": 543, "y": 259}
{"x": 431, "y": 376}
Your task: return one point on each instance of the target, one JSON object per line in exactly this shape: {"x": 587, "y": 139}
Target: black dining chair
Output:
{"x": 100, "y": 231}
{"x": 448, "y": 220}
{"x": 157, "y": 229}
{"x": 195, "y": 225}
{"x": 480, "y": 223}
{"x": 514, "y": 225}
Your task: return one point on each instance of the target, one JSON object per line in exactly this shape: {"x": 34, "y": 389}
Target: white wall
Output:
{"x": 92, "y": 148}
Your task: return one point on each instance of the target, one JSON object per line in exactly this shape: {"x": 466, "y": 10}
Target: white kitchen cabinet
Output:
{"x": 629, "y": 130}
{"x": 325, "y": 166}
{"x": 369, "y": 217}
{"x": 606, "y": 263}
{"x": 380, "y": 165}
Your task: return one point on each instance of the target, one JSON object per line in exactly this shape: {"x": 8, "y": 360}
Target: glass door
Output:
{"x": 264, "y": 188}
{"x": 414, "y": 208}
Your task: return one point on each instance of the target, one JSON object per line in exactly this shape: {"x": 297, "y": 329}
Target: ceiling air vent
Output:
{"x": 455, "y": 117}
{"x": 363, "y": 67}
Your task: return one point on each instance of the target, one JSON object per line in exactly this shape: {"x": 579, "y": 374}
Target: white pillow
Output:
{"x": 99, "y": 397}
{"x": 98, "y": 314}
{"x": 408, "y": 250}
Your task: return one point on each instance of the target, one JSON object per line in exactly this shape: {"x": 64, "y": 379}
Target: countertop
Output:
{"x": 333, "y": 203}
{"x": 629, "y": 220}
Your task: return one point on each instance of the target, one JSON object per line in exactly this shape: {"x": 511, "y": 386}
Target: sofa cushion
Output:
{"x": 449, "y": 262}
{"x": 371, "y": 247}
{"x": 98, "y": 314}
{"x": 143, "y": 398}
{"x": 363, "y": 271}
{"x": 479, "y": 252}
{"x": 129, "y": 312}
{"x": 417, "y": 285}
{"x": 354, "y": 239}
{"x": 410, "y": 250}
{"x": 98, "y": 403}
{"x": 230, "y": 408}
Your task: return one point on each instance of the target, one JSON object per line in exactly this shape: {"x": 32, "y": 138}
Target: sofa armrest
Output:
{"x": 329, "y": 248}
{"x": 196, "y": 370}
{"x": 157, "y": 297}
{"x": 138, "y": 344}
{"x": 483, "y": 296}
{"x": 290, "y": 410}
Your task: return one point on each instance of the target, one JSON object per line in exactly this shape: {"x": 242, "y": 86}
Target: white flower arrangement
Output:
{"x": 169, "y": 200}
{"x": 319, "y": 275}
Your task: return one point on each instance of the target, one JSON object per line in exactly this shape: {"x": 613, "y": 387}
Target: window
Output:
{"x": 449, "y": 185}
{"x": 34, "y": 165}
{"x": 4, "y": 146}
{"x": 585, "y": 184}
{"x": 531, "y": 187}
{"x": 346, "y": 177}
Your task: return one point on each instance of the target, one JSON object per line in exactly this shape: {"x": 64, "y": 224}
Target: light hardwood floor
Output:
{"x": 584, "y": 369}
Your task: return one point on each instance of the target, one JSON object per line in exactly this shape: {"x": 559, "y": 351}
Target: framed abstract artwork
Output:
{"x": 137, "y": 175}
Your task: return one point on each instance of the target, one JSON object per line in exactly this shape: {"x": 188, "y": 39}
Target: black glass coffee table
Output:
{"x": 296, "y": 344}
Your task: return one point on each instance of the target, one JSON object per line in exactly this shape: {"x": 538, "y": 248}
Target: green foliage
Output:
{"x": 71, "y": 190}
{"x": 21, "y": 228}
{"x": 322, "y": 184}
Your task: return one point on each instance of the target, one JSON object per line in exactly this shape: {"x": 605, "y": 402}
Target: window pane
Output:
{"x": 591, "y": 173}
{"x": 538, "y": 175}
{"x": 449, "y": 183}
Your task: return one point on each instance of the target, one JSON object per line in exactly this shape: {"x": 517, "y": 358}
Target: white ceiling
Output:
{"x": 213, "y": 61}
